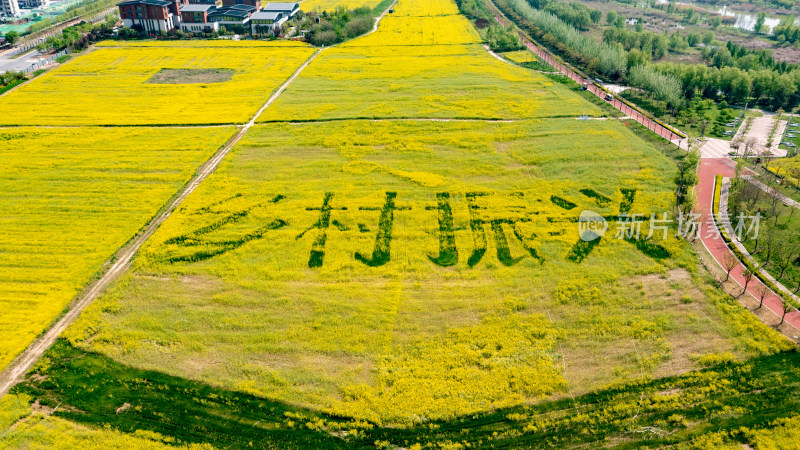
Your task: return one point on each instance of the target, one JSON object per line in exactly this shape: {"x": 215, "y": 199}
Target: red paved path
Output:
{"x": 707, "y": 172}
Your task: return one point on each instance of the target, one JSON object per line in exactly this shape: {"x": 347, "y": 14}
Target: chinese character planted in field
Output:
{"x": 477, "y": 225}
{"x": 381, "y": 253}
{"x": 448, "y": 253}
{"x": 210, "y": 240}
{"x": 318, "y": 247}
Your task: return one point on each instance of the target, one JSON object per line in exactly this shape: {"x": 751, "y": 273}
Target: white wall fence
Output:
{"x": 43, "y": 62}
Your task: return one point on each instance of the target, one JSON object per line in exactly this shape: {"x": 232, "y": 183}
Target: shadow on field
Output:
{"x": 94, "y": 390}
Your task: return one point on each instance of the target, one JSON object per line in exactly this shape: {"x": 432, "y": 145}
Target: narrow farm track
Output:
{"x": 378, "y": 20}
{"x": 713, "y": 242}
{"x": 120, "y": 262}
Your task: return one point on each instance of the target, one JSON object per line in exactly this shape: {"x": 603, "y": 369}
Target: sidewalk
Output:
{"x": 786, "y": 200}
{"x": 712, "y": 240}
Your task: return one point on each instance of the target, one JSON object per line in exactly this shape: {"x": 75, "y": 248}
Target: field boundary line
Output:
{"x": 122, "y": 259}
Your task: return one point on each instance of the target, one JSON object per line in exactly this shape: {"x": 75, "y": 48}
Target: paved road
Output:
{"x": 15, "y": 65}
{"x": 708, "y": 170}
{"x": 715, "y": 148}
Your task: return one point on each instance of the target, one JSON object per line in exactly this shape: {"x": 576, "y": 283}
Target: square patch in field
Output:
{"x": 191, "y": 76}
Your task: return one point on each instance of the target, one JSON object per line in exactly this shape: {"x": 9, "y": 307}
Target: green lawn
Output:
{"x": 779, "y": 232}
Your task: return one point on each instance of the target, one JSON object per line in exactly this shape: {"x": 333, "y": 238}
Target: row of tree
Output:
{"x": 79, "y": 9}
{"x": 575, "y": 14}
{"x": 767, "y": 88}
{"x": 78, "y": 37}
{"x": 9, "y": 78}
{"x": 739, "y": 75}
{"x": 606, "y": 59}
{"x": 776, "y": 244}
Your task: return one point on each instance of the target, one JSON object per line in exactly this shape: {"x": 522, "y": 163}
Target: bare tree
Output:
{"x": 784, "y": 257}
{"x": 788, "y": 305}
{"x": 729, "y": 261}
{"x": 775, "y": 201}
{"x": 748, "y": 277}
{"x": 770, "y": 244}
{"x": 762, "y": 290}
{"x": 750, "y": 146}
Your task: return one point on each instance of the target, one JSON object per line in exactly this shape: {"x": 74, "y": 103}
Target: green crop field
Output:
{"x": 390, "y": 257}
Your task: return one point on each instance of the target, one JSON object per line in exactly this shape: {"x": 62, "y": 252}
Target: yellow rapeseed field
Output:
{"x": 421, "y": 82}
{"x": 407, "y": 30}
{"x": 410, "y": 270}
{"x": 520, "y": 56}
{"x": 788, "y": 169}
{"x": 200, "y": 43}
{"x": 425, "y": 265}
{"x": 329, "y": 5}
{"x": 425, "y": 8}
{"x": 69, "y": 198}
{"x": 109, "y": 86}
{"x": 425, "y": 66}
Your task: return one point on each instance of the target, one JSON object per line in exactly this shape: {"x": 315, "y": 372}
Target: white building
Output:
{"x": 264, "y": 22}
{"x": 194, "y": 18}
{"x": 33, "y": 4}
{"x": 9, "y": 8}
